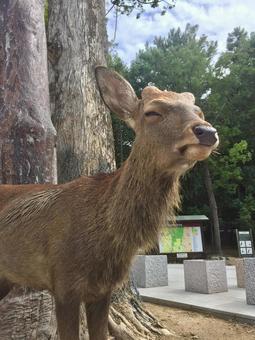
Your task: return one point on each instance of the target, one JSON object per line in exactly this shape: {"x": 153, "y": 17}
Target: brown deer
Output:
{"x": 78, "y": 239}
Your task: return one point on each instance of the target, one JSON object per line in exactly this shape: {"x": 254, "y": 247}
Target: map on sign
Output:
{"x": 180, "y": 239}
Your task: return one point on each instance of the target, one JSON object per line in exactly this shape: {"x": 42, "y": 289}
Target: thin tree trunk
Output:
{"x": 27, "y": 142}
{"x": 214, "y": 211}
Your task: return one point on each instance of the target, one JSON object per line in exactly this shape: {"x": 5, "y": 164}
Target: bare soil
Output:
{"x": 193, "y": 325}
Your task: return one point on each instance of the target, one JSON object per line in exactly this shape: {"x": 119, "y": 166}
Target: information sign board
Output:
{"x": 245, "y": 243}
{"x": 181, "y": 239}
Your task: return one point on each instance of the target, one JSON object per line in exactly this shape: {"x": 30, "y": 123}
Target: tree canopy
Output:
{"x": 232, "y": 105}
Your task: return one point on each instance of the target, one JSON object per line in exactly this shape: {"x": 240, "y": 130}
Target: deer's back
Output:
{"x": 10, "y": 192}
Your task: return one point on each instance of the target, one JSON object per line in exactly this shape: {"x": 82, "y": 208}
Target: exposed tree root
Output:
{"x": 130, "y": 320}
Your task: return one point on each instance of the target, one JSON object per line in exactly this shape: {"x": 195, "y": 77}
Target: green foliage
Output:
{"x": 227, "y": 169}
{"x": 232, "y": 108}
{"x": 247, "y": 212}
{"x": 115, "y": 62}
{"x": 180, "y": 62}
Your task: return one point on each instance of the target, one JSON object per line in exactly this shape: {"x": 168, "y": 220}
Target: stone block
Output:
{"x": 205, "y": 276}
{"x": 249, "y": 268}
{"x": 150, "y": 271}
{"x": 240, "y": 273}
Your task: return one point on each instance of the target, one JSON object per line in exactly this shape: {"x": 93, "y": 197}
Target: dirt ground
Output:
{"x": 193, "y": 325}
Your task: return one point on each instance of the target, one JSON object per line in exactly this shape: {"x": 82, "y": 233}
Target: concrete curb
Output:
{"x": 249, "y": 319}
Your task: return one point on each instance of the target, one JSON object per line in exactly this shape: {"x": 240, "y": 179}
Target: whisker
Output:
{"x": 216, "y": 152}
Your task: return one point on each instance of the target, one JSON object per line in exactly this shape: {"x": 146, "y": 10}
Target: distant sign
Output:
{"x": 180, "y": 240}
{"x": 245, "y": 243}
{"x": 182, "y": 255}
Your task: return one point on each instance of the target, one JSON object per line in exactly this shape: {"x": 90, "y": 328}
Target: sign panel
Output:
{"x": 180, "y": 240}
{"x": 245, "y": 243}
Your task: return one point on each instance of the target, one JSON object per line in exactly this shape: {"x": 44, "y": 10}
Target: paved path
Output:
{"x": 231, "y": 304}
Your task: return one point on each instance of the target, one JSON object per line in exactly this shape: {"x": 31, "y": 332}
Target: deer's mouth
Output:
{"x": 197, "y": 152}
{"x": 183, "y": 149}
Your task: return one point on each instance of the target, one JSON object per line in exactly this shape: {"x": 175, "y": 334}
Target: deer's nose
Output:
{"x": 206, "y": 135}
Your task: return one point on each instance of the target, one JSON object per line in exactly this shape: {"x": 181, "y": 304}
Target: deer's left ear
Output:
{"x": 117, "y": 94}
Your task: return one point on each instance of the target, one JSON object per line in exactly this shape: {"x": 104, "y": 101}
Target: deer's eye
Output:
{"x": 152, "y": 114}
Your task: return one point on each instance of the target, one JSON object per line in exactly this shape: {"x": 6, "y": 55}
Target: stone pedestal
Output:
{"x": 205, "y": 276}
{"x": 240, "y": 273}
{"x": 150, "y": 271}
{"x": 249, "y": 268}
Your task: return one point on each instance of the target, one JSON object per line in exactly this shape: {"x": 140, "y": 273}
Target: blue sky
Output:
{"x": 216, "y": 18}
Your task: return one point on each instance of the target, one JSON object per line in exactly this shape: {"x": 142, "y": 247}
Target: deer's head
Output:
{"x": 166, "y": 123}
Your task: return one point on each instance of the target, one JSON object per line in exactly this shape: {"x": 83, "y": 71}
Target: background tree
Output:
{"x": 179, "y": 62}
{"x": 232, "y": 104}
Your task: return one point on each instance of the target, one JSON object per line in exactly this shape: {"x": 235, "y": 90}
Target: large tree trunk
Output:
{"x": 77, "y": 42}
{"x": 27, "y": 136}
{"x": 214, "y": 211}
{"x": 27, "y": 141}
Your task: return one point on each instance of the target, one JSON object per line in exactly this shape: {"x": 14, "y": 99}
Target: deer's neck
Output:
{"x": 144, "y": 197}
{"x": 132, "y": 206}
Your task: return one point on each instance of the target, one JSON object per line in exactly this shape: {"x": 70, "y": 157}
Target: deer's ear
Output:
{"x": 117, "y": 94}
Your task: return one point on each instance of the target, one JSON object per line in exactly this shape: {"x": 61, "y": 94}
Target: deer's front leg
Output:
{"x": 67, "y": 314}
{"x": 97, "y": 318}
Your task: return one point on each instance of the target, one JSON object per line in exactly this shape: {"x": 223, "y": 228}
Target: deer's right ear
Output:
{"x": 117, "y": 94}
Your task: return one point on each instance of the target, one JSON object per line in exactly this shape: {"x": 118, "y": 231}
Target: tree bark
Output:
{"x": 214, "y": 211}
{"x": 77, "y": 43}
{"x": 27, "y": 142}
{"x": 27, "y": 136}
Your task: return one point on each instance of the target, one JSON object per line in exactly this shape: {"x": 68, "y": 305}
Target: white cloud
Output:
{"x": 216, "y": 18}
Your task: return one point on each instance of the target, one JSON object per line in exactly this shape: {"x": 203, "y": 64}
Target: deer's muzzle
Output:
{"x": 206, "y": 135}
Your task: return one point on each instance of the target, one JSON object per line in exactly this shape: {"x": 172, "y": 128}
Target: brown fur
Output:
{"x": 78, "y": 239}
